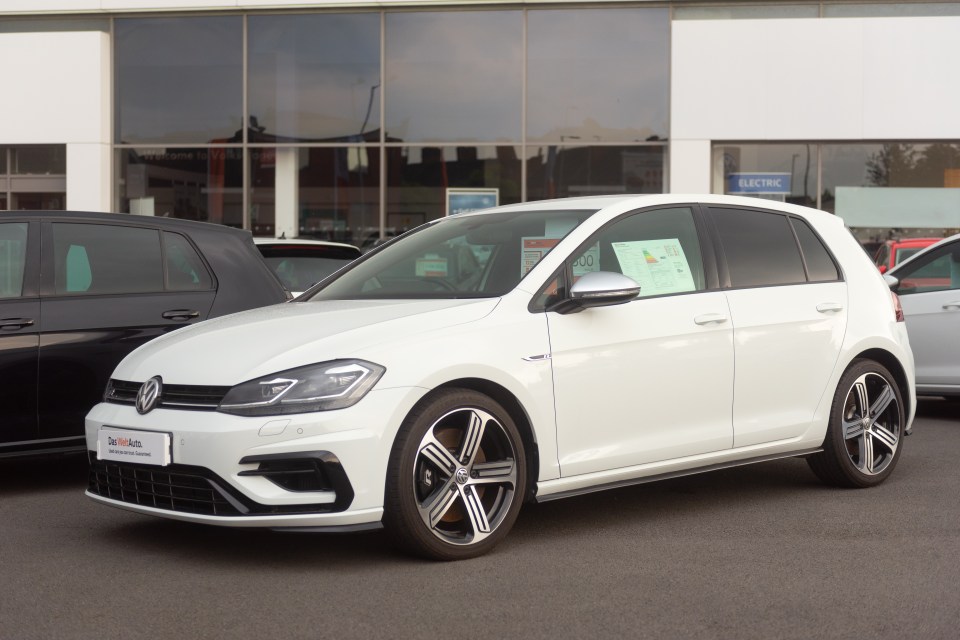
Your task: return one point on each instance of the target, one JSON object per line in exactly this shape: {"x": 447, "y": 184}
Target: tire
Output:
{"x": 456, "y": 477}
{"x": 865, "y": 436}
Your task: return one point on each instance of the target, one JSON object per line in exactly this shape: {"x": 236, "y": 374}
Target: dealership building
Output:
{"x": 357, "y": 119}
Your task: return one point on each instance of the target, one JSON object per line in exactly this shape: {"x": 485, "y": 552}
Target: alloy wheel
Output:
{"x": 871, "y": 424}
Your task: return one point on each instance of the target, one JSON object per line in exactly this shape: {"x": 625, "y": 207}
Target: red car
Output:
{"x": 893, "y": 252}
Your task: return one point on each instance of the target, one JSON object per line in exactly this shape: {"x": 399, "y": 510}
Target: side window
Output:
{"x": 659, "y": 249}
{"x": 185, "y": 269}
{"x": 13, "y": 258}
{"x": 820, "y": 266}
{"x": 100, "y": 258}
{"x": 883, "y": 255}
{"x": 937, "y": 271}
{"x": 760, "y": 248}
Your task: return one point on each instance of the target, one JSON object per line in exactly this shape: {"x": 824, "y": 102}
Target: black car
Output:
{"x": 79, "y": 291}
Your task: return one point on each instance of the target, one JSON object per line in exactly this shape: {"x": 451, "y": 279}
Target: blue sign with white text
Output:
{"x": 763, "y": 183}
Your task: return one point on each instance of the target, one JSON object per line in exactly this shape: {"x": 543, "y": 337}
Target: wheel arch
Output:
{"x": 508, "y": 401}
{"x": 893, "y": 365}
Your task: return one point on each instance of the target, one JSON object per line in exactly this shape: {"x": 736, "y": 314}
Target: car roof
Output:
{"x": 111, "y": 218}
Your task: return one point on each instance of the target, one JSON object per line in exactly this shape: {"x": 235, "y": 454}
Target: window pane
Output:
{"x": 454, "y": 76}
{"x": 179, "y": 79}
{"x": 193, "y": 183}
{"x": 40, "y": 159}
{"x": 820, "y": 266}
{"x": 314, "y": 76}
{"x": 760, "y": 248}
{"x": 938, "y": 271}
{"x": 558, "y": 171}
{"x": 185, "y": 269}
{"x": 598, "y": 75}
{"x": 335, "y": 191}
{"x": 418, "y": 179}
{"x": 659, "y": 249}
{"x": 13, "y": 258}
{"x": 782, "y": 172}
{"x": 95, "y": 259}
{"x": 747, "y": 12}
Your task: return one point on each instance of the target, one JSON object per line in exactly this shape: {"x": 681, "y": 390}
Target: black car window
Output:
{"x": 939, "y": 270}
{"x": 100, "y": 258}
{"x": 820, "y": 266}
{"x": 13, "y": 258}
{"x": 760, "y": 247}
{"x": 185, "y": 269}
{"x": 659, "y": 249}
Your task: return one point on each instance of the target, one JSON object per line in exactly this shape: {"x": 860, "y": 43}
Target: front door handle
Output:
{"x": 181, "y": 314}
{"x": 952, "y": 305}
{"x": 710, "y": 318}
{"x": 827, "y": 307}
{"x": 12, "y": 324}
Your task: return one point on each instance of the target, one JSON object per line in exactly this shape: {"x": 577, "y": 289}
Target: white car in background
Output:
{"x": 300, "y": 263}
{"x": 526, "y": 352}
{"x": 929, "y": 288}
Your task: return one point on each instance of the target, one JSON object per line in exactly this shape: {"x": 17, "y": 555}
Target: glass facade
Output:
{"x": 883, "y": 191}
{"x": 33, "y": 177}
{"x": 355, "y": 126}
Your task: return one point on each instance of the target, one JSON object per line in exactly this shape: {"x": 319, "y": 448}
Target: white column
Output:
{"x": 287, "y": 185}
{"x": 89, "y": 172}
{"x": 689, "y": 166}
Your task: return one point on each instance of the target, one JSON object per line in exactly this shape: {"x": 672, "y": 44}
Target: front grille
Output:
{"x": 174, "y": 488}
{"x": 173, "y": 396}
{"x": 190, "y": 489}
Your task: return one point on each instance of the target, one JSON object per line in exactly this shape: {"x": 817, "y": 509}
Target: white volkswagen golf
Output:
{"x": 525, "y": 352}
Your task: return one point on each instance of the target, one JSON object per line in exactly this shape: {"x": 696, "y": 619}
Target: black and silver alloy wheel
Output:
{"x": 456, "y": 477}
{"x": 871, "y": 424}
{"x": 867, "y": 421}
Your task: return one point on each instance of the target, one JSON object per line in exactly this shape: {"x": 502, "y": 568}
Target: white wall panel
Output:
{"x": 57, "y": 88}
{"x": 688, "y": 171}
{"x": 88, "y": 177}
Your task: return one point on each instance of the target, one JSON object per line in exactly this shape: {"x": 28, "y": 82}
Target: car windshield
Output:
{"x": 468, "y": 256}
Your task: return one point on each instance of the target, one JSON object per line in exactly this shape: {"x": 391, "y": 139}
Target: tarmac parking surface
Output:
{"x": 762, "y": 551}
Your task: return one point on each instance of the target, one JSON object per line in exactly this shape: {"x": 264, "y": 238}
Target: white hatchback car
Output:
{"x": 525, "y": 352}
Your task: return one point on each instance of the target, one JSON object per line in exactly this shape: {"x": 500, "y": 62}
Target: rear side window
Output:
{"x": 13, "y": 258}
{"x": 760, "y": 248}
{"x": 185, "y": 269}
{"x": 820, "y": 266}
{"x": 97, "y": 258}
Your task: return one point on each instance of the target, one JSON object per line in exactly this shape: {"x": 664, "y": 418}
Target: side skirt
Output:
{"x": 673, "y": 474}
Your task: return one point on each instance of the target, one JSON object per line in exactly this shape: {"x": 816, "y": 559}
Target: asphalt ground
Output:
{"x": 763, "y": 551}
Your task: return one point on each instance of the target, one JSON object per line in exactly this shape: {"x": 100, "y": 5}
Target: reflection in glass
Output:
{"x": 39, "y": 159}
{"x": 782, "y": 172}
{"x": 418, "y": 179}
{"x": 598, "y": 75}
{"x": 179, "y": 79}
{"x": 454, "y": 76}
{"x": 749, "y": 12}
{"x": 3, "y": 159}
{"x": 891, "y": 9}
{"x": 558, "y": 172}
{"x": 192, "y": 183}
{"x": 314, "y": 76}
{"x": 335, "y": 191}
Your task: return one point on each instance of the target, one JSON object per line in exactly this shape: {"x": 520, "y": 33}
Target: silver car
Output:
{"x": 929, "y": 288}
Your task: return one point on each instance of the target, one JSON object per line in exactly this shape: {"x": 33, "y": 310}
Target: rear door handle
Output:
{"x": 181, "y": 314}
{"x": 827, "y": 307}
{"x": 710, "y": 318}
{"x": 952, "y": 305}
{"x": 12, "y": 324}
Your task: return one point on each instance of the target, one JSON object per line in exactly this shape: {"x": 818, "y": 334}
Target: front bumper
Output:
{"x": 322, "y": 470}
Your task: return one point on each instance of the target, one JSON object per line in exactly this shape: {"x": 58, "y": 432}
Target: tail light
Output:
{"x": 897, "y": 309}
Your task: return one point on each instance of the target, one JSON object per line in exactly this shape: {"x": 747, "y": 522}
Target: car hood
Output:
{"x": 243, "y": 346}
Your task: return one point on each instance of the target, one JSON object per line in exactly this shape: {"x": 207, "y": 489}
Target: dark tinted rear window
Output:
{"x": 820, "y": 266}
{"x": 760, "y": 248}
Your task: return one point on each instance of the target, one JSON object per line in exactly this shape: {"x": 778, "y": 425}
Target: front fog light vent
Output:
{"x": 304, "y": 472}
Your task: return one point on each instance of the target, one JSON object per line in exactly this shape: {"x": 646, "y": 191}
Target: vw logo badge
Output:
{"x": 462, "y": 476}
{"x": 149, "y": 394}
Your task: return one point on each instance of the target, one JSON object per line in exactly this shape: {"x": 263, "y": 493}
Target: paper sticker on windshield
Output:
{"x": 658, "y": 266}
{"x": 533, "y": 251}
{"x": 431, "y": 267}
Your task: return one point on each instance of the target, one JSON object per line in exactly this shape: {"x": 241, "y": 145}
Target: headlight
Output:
{"x": 319, "y": 387}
